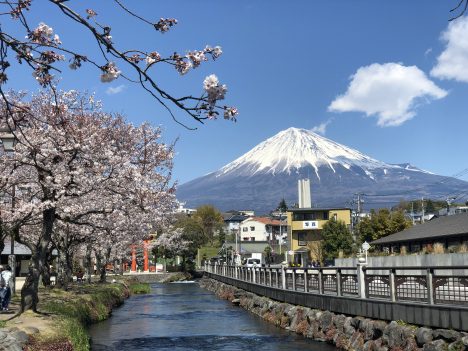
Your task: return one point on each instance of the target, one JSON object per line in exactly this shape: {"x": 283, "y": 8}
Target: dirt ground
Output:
{"x": 29, "y": 322}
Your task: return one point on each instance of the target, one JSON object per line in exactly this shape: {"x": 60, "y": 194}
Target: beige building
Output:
{"x": 304, "y": 231}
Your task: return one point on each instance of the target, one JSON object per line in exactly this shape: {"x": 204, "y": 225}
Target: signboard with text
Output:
{"x": 310, "y": 225}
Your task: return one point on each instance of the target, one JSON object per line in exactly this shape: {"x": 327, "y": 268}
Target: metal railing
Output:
{"x": 429, "y": 285}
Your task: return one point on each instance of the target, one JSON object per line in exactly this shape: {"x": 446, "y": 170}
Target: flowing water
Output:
{"x": 185, "y": 317}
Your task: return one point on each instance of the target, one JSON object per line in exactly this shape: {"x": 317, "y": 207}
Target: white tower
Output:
{"x": 303, "y": 186}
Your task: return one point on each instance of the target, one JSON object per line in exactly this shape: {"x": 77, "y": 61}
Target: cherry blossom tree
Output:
{"x": 173, "y": 242}
{"x": 90, "y": 178}
{"x": 38, "y": 47}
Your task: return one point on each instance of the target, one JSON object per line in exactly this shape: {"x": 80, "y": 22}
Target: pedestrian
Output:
{"x": 2, "y": 287}
{"x": 5, "y": 281}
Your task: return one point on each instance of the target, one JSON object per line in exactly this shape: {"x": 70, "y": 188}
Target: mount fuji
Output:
{"x": 260, "y": 178}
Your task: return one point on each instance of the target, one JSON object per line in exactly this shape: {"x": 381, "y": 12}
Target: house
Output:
{"x": 262, "y": 229}
{"x": 232, "y": 222}
{"x": 450, "y": 231}
{"x": 304, "y": 228}
{"x": 23, "y": 257}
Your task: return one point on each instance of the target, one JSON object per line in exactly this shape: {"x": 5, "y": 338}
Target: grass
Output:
{"x": 139, "y": 288}
{"x": 208, "y": 252}
{"x": 73, "y": 310}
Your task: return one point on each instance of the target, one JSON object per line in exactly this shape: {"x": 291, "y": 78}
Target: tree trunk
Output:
{"x": 88, "y": 263}
{"x": 46, "y": 269}
{"x": 65, "y": 271}
{"x": 29, "y": 293}
{"x": 101, "y": 267}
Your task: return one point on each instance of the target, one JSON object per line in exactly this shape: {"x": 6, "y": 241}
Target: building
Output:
{"x": 232, "y": 222}
{"x": 449, "y": 231}
{"x": 182, "y": 209}
{"x": 304, "y": 228}
{"x": 262, "y": 229}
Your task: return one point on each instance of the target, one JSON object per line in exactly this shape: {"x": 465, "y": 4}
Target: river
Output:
{"x": 182, "y": 316}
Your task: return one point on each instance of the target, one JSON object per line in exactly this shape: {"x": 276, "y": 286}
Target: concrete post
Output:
{"x": 276, "y": 278}
{"x": 393, "y": 293}
{"x": 338, "y": 282}
{"x": 430, "y": 286}
{"x": 236, "y": 272}
{"x": 253, "y": 275}
{"x": 320, "y": 281}
{"x": 283, "y": 277}
{"x": 306, "y": 281}
{"x": 294, "y": 280}
{"x": 361, "y": 276}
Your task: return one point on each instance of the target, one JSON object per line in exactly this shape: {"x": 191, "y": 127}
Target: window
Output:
{"x": 301, "y": 239}
{"x": 325, "y": 215}
{"x": 335, "y": 216}
{"x": 252, "y": 229}
{"x": 309, "y": 216}
{"x": 252, "y": 238}
{"x": 244, "y": 229}
{"x": 245, "y": 238}
{"x": 298, "y": 216}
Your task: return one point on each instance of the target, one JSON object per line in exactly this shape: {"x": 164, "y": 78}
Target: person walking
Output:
{"x": 5, "y": 281}
{"x": 2, "y": 288}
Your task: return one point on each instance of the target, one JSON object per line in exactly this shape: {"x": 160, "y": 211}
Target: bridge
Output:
{"x": 430, "y": 296}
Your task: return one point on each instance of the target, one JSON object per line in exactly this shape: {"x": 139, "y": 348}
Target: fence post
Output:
{"x": 294, "y": 279}
{"x": 320, "y": 281}
{"x": 253, "y": 275}
{"x": 277, "y": 278}
{"x": 306, "y": 281}
{"x": 338, "y": 282}
{"x": 430, "y": 286}
{"x": 391, "y": 277}
{"x": 236, "y": 272}
{"x": 283, "y": 277}
{"x": 361, "y": 275}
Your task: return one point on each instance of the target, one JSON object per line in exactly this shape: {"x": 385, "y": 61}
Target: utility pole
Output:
{"x": 412, "y": 212}
{"x": 422, "y": 209}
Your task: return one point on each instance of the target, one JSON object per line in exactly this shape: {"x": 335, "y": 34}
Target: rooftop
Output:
{"x": 310, "y": 209}
{"x": 437, "y": 228}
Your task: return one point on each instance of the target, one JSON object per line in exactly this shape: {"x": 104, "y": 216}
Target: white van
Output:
{"x": 253, "y": 262}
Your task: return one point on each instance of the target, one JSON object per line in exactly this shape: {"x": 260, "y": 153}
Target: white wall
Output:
{"x": 259, "y": 233}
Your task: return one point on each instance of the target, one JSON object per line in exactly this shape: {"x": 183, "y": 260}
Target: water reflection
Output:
{"x": 186, "y": 317}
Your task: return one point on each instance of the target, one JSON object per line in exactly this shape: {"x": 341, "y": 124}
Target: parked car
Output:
{"x": 253, "y": 262}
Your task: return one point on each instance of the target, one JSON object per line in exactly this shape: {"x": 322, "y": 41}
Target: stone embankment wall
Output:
{"x": 345, "y": 332}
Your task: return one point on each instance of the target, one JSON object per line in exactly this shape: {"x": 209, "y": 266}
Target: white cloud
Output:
{"x": 322, "y": 127}
{"x": 115, "y": 90}
{"x": 453, "y": 61}
{"x": 389, "y": 91}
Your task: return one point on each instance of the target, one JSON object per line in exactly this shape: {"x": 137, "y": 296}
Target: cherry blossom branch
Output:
{"x": 42, "y": 38}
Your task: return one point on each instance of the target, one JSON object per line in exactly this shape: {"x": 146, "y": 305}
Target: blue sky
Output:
{"x": 371, "y": 71}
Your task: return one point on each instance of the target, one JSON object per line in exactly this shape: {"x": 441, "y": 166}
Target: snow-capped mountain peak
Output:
{"x": 294, "y": 148}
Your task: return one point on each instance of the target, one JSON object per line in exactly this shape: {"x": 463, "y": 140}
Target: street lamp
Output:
{"x": 8, "y": 141}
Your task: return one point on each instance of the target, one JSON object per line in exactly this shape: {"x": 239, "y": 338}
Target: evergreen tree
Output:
{"x": 336, "y": 237}
{"x": 382, "y": 223}
{"x": 430, "y": 208}
{"x": 282, "y": 207}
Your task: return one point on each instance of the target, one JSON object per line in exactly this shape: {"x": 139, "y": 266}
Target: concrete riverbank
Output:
{"x": 345, "y": 332}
